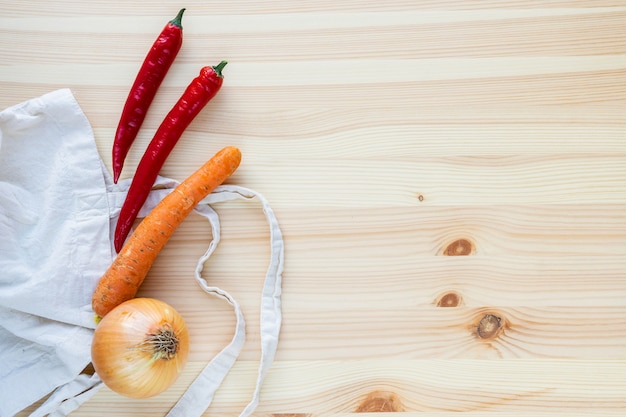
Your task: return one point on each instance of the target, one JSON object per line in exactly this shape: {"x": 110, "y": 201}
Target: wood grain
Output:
{"x": 449, "y": 176}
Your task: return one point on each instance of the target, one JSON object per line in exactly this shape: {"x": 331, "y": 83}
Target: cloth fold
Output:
{"x": 58, "y": 208}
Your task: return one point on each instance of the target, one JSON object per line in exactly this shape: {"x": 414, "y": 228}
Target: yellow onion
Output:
{"x": 140, "y": 347}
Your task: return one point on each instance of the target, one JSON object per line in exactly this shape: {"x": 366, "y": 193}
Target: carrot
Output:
{"x": 128, "y": 270}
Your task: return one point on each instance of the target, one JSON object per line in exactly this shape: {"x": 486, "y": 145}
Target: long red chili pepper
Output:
{"x": 202, "y": 89}
{"x": 149, "y": 78}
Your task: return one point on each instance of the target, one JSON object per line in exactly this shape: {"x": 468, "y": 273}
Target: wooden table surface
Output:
{"x": 449, "y": 176}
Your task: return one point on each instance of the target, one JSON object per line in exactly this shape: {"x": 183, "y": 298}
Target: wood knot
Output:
{"x": 449, "y": 299}
{"x": 460, "y": 247}
{"x": 380, "y": 402}
{"x": 489, "y": 326}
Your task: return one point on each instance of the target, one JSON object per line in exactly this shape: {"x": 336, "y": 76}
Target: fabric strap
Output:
{"x": 199, "y": 395}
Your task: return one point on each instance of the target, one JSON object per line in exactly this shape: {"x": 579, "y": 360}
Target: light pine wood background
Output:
{"x": 450, "y": 178}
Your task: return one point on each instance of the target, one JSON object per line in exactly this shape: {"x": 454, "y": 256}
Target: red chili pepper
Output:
{"x": 202, "y": 89}
{"x": 151, "y": 74}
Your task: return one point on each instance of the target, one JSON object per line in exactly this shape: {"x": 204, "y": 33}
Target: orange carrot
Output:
{"x": 128, "y": 270}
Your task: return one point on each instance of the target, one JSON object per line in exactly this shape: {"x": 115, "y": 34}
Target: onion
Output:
{"x": 140, "y": 347}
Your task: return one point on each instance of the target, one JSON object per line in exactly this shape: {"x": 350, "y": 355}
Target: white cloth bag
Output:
{"x": 58, "y": 208}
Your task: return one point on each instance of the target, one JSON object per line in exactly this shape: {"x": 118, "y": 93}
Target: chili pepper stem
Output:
{"x": 219, "y": 67}
{"x": 177, "y": 21}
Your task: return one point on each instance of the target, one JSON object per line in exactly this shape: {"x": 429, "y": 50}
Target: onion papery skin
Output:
{"x": 123, "y": 349}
